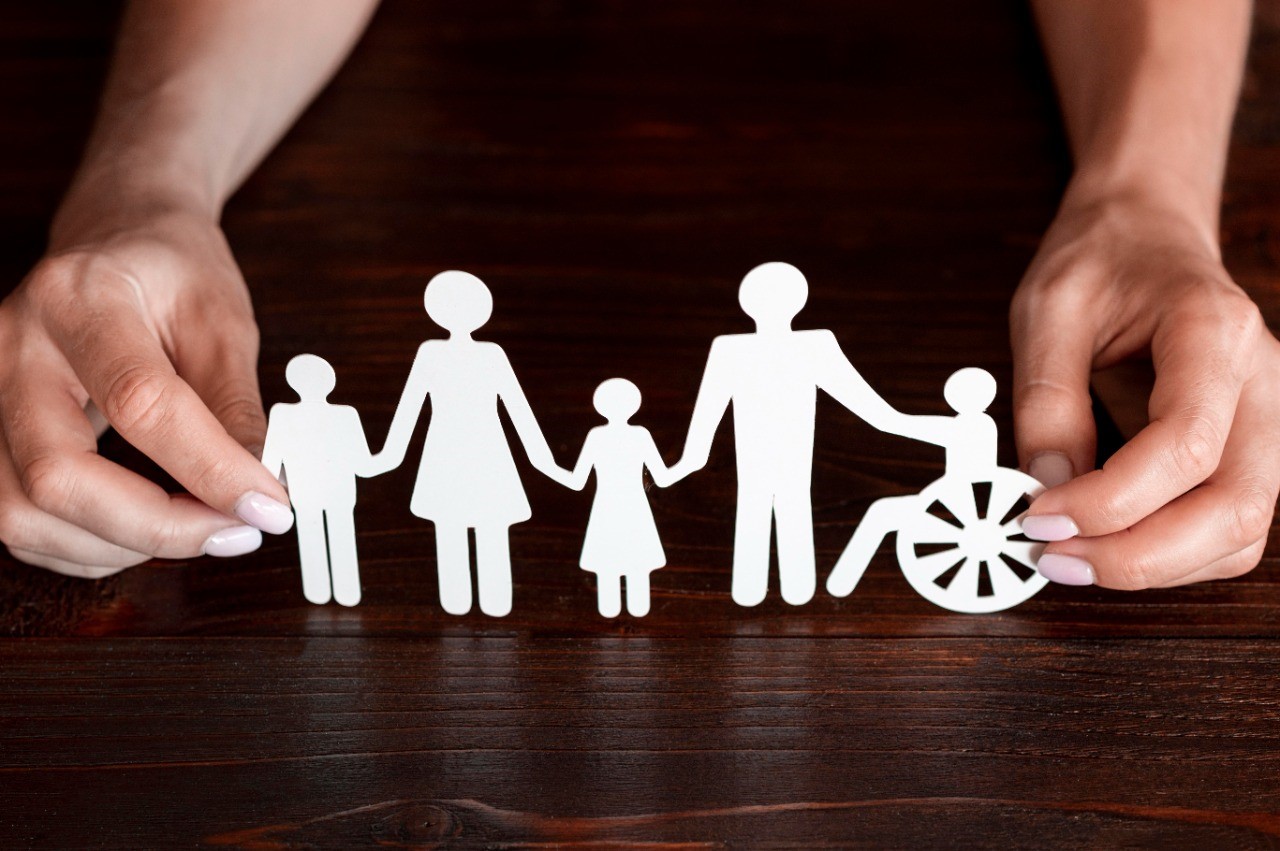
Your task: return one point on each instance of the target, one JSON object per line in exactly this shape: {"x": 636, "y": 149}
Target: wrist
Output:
{"x": 142, "y": 162}
{"x": 1192, "y": 200}
{"x": 1177, "y": 203}
{"x": 103, "y": 200}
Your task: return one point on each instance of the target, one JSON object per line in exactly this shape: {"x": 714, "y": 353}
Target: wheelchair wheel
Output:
{"x": 965, "y": 550}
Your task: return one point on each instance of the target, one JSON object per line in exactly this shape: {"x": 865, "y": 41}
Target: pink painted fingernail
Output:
{"x": 263, "y": 512}
{"x": 1065, "y": 570}
{"x": 1049, "y": 527}
{"x": 235, "y": 541}
{"x": 1051, "y": 469}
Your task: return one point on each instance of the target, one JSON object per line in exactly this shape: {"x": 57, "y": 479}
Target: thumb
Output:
{"x": 1052, "y": 409}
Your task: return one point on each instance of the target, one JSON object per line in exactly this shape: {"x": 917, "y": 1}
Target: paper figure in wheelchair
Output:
{"x": 622, "y": 540}
{"x": 959, "y": 541}
{"x": 317, "y": 449}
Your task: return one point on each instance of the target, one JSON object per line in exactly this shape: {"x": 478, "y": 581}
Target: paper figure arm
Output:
{"x": 365, "y": 465}
{"x": 406, "y": 417}
{"x": 663, "y": 476}
{"x": 272, "y": 454}
{"x": 714, "y": 395}
{"x": 526, "y": 424}
{"x": 838, "y": 377}
{"x": 577, "y": 478}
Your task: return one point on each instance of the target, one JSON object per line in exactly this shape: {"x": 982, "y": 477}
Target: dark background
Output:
{"x": 611, "y": 170}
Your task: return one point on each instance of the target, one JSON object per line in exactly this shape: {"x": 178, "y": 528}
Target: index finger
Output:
{"x": 131, "y": 380}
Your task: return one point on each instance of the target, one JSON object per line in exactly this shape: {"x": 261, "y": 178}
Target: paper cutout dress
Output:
{"x": 467, "y": 478}
{"x": 622, "y": 539}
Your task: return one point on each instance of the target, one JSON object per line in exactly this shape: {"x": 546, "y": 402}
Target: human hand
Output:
{"x": 146, "y": 318}
{"x": 1191, "y": 496}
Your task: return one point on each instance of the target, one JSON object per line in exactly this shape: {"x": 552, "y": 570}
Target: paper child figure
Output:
{"x": 622, "y": 539}
{"x": 467, "y": 478}
{"x": 320, "y": 448}
{"x": 985, "y": 533}
{"x": 772, "y": 377}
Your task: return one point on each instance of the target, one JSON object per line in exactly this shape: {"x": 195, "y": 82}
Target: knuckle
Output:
{"x": 1131, "y": 572}
{"x": 55, "y": 278}
{"x": 48, "y": 481}
{"x": 165, "y": 540}
{"x": 215, "y": 477}
{"x": 137, "y": 400}
{"x": 241, "y": 407}
{"x": 1197, "y": 450}
{"x": 1251, "y": 514}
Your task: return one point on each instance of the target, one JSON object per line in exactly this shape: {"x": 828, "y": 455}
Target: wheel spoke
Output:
{"x": 1026, "y": 552}
{"x": 963, "y": 590}
{"x": 929, "y": 568}
{"x": 1005, "y": 493}
{"x": 925, "y": 528}
{"x": 1005, "y": 584}
{"x": 1014, "y": 526}
{"x": 958, "y": 498}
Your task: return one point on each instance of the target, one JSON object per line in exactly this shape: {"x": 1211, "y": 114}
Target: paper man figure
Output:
{"x": 321, "y": 448}
{"x": 970, "y": 440}
{"x": 467, "y": 478}
{"x": 622, "y": 539}
{"x": 772, "y": 377}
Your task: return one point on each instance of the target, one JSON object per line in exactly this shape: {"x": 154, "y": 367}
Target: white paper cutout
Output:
{"x": 467, "y": 478}
{"x": 772, "y": 377}
{"x": 621, "y": 540}
{"x": 960, "y": 554}
{"x": 317, "y": 449}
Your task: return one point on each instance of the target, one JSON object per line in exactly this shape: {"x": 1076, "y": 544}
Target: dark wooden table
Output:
{"x": 611, "y": 170}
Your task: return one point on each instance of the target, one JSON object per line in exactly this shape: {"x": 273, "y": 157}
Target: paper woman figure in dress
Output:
{"x": 981, "y": 562}
{"x": 321, "y": 448}
{"x": 467, "y": 478}
{"x": 622, "y": 539}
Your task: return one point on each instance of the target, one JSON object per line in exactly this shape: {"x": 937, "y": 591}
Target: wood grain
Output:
{"x": 612, "y": 169}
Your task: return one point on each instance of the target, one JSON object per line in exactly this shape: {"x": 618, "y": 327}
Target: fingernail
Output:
{"x": 1051, "y": 469}
{"x": 235, "y": 541}
{"x": 1049, "y": 527}
{"x": 1065, "y": 570}
{"x": 263, "y": 512}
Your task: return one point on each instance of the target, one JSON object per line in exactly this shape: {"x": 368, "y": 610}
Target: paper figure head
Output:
{"x": 970, "y": 390}
{"x": 458, "y": 302}
{"x": 617, "y": 400}
{"x": 773, "y": 293}
{"x": 311, "y": 377}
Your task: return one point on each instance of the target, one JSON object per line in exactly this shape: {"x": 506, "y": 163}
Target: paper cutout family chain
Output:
{"x": 959, "y": 542}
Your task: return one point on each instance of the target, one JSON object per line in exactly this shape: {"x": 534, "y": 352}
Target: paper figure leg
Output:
{"x": 882, "y": 518}
{"x": 342, "y": 555}
{"x": 609, "y": 594}
{"x": 314, "y": 556}
{"x": 752, "y": 532}
{"x": 453, "y": 565}
{"x": 638, "y": 593}
{"x": 493, "y": 569}
{"x": 797, "y": 567}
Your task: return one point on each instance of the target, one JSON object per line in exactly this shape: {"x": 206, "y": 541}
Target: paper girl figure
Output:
{"x": 622, "y": 539}
{"x": 467, "y": 478}
{"x": 986, "y": 540}
{"x": 320, "y": 448}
